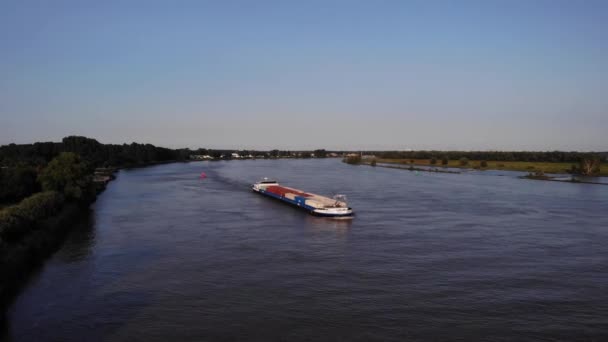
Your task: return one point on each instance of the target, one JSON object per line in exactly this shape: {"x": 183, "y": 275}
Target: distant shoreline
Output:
{"x": 438, "y": 169}
{"x": 553, "y": 179}
{"x": 546, "y": 167}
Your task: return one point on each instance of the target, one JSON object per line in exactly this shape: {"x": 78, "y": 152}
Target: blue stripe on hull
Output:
{"x": 287, "y": 200}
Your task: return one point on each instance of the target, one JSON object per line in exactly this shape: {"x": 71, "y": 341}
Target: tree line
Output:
{"x": 540, "y": 156}
{"x": 92, "y": 151}
{"x": 22, "y": 165}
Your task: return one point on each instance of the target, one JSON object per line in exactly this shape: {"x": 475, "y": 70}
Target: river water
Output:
{"x": 166, "y": 256}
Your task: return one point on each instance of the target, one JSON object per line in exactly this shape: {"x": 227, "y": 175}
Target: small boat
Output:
{"x": 318, "y": 205}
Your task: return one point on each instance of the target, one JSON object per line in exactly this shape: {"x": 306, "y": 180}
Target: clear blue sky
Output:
{"x": 507, "y": 75}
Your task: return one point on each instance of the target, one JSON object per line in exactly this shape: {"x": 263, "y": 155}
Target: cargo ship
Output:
{"x": 315, "y": 204}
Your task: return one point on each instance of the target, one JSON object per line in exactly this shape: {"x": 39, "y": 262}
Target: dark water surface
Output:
{"x": 168, "y": 257}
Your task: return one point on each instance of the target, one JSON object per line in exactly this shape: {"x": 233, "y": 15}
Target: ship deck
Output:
{"x": 285, "y": 191}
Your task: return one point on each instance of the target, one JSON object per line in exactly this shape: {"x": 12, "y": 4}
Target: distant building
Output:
{"x": 235, "y": 155}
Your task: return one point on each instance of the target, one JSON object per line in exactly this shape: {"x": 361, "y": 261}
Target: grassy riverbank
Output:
{"x": 547, "y": 167}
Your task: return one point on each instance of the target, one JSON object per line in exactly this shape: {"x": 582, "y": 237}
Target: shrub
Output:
{"x": 589, "y": 166}
{"x": 433, "y": 161}
{"x": 18, "y": 220}
{"x": 444, "y": 161}
{"x": 483, "y": 163}
{"x": 41, "y": 205}
{"x": 373, "y": 162}
{"x": 464, "y": 161}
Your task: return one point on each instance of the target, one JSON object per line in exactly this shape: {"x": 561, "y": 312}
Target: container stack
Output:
{"x": 282, "y": 191}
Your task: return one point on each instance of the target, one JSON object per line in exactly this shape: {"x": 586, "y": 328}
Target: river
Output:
{"x": 165, "y": 256}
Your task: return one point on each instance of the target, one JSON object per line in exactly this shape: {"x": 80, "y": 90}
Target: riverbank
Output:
{"x": 411, "y": 168}
{"x": 20, "y": 259}
{"x": 546, "y": 167}
{"x": 33, "y": 229}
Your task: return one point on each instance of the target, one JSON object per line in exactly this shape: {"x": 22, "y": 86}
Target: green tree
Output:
{"x": 433, "y": 161}
{"x": 373, "y": 162}
{"x": 68, "y": 174}
{"x": 464, "y": 161}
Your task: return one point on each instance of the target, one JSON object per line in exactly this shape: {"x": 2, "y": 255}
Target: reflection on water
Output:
{"x": 3, "y": 326}
{"x": 77, "y": 246}
{"x": 79, "y": 242}
{"x": 338, "y": 226}
{"x": 428, "y": 256}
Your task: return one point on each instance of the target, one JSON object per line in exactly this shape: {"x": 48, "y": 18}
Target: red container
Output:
{"x": 281, "y": 191}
